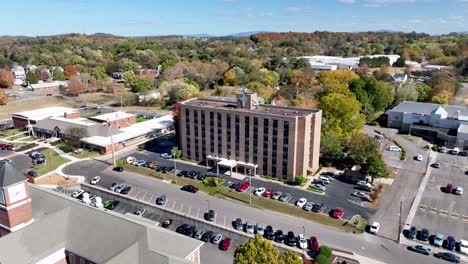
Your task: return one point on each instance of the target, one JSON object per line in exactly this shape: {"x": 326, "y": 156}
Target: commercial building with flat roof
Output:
{"x": 243, "y": 135}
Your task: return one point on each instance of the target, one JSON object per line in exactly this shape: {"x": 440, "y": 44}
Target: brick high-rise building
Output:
{"x": 243, "y": 134}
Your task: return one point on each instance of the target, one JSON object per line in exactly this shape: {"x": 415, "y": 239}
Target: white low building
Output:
{"x": 19, "y": 73}
{"x": 320, "y": 63}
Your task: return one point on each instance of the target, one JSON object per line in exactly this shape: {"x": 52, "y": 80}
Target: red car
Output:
{"x": 244, "y": 186}
{"x": 338, "y": 212}
{"x": 313, "y": 243}
{"x": 268, "y": 193}
{"x": 226, "y": 244}
{"x": 50, "y": 94}
{"x": 449, "y": 188}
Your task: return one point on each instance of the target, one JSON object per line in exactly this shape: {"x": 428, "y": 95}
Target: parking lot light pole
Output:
{"x": 250, "y": 183}
{"x": 303, "y": 229}
{"x": 175, "y": 169}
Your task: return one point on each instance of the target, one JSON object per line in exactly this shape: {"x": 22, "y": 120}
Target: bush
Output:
{"x": 322, "y": 259}
{"x": 436, "y": 148}
{"x": 326, "y": 251}
{"x": 300, "y": 180}
{"x": 213, "y": 181}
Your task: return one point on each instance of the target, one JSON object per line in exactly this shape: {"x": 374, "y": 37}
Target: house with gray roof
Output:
{"x": 445, "y": 123}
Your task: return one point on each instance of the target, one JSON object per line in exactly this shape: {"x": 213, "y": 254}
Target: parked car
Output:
{"x": 207, "y": 236}
{"x": 463, "y": 246}
{"x": 259, "y": 229}
{"x": 438, "y": 239}
{"x": 361, "y": 195}
{"x": 317, "y": 186}
{"x": 458, "y": 190}
{"x": 443, "y": 150}
{"x": 113, "y": 186}
{"x": 199, "y": 234}
{"x": 225, "y": 244}
{"x": 95, "y": 180}
{"x": 418, "y": 157}
{"x": 259, "y": 191}
{"x": 167, "y": 223}
{"x": 436, "y": 165}
{"x": 318, "y": 207}
{"x": 394, "y": 148}
{"x": 291, "y": 239}
{"x": 420, "y": 249}
{"x": 238, "y": 225}
{"x": 464, "y": 153}
{"x": 181, "y": 229}
{"x": 285, "y": 197}
{"x": 211, "y": 215}
{"x": 279, "y": 236}
{"x": 276, "y": 195}
{"x": 325, "y": 179}
{"x": 313, "y": 243}
{"x": 412, "y": 232}
{"x": 249, "y": 228}
{"x": 451, "y": 243}
{"x": 126, "y": 190}
{"x": 119, "y": 168}
{"x": 166, "y": 156}
{"x": 268, "y": 193}
{"x": 301, "y": 241}
{"x": 448, "y": 257}
{"x": 269, "y": 233}
{"x": 243, "y": 187}
{"x": 455, "y": 151}
{"x": 191, "y": 231}
{"x": 32, "y": 173}
{"x": 190, "y": 188}
{"x": 449, "y": 188}
{"x": 301, "y": 202}
{"x": 120, "y": 187}
{"x": 111, "y": 204}
{"x": 374, "y": 228}
{"x": 77, "y": 193}
{"x": 140, "y": 212}
{"x": 338, "y": 212}
{"x": 152, "y": 164}
{"x": 424, "y": 234}
{"x": 308, "y": 206}
{"x": 161, "y": 200}
{"x": 217, "y": 239}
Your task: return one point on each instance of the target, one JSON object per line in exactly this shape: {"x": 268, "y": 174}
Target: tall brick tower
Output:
{"x": 15, "y": 201}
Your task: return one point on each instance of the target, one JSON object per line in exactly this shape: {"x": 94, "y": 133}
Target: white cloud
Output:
{"x": 346, "y": 1}
{"x": 298, "y": 8}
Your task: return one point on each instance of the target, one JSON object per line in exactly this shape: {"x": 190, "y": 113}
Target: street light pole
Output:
{"x": 303, "y": 228}
{"x": 399, "y": 221}
{"x": 250, "y": 184}
{"x": 175, "y": 169}
{"x": 112, "y": 141}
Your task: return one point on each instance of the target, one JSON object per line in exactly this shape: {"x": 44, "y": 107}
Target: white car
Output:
{"x": 301, "y": 202}
{"x": 259, "y": 191}
{"x": 459, "y": 190}
{"x": 217, "y": 239}
{"x": 361, "y": 195}
{"x": 374, "y": 228}
{"x": 419, "y": 157}
{"x": 249, "y": 228}
{"x": 166, "y": 155}
{"x": 394, "y": 148}
{"x": 318, "y": 187}
{"x": 95, "y": 180}
{"x": 75, "y": 194}
{"x": 259, "y": 229}
{"x": 301, "y": 241}
{"x": 463, "y": 246}
{"x": 324, "y": 179}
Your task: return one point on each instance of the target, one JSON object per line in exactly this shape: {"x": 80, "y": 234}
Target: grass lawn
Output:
{"x": 54, "y": 160}
{"x": 16, "y": 144}
{"x": 89, "y": 115}
{"x": 257, "y": 201}
{"x": 141, "y": 119}
{"x": 314, "y": 190}
{"x": 411, "y": 138}
{"x": 11, "y": 132}
{"x": 24, "y": 135}
{"x": 86, "y": 153}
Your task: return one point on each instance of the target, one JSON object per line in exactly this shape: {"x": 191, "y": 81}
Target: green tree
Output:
{"x": 360, "y": 147}
{"x": 256, "y": 250}
{"x": 140, "y": 85}
{"x": 299, "y": 180}
{"x": 325, "y": 250}
{"x": 375, "y": 167}
{"x": 342, "y": 113}
{"x": 179, "y": 90}
{"x": 322, "y": 259}
{"x": 31, "y": 78}
{"x": 331, "y": 145}
{"x": 99, "y": 73}
{"x": 423, "y": 92}
{"x": 290, "y": 257}
{"x": 129, "y": 78}
{"x": 400, "y": 62}
{"x": 176, "y": 152}
{"x": 442, "y": 98}
{"x": 229, "y": 77}
{"x": 58, "y": 75}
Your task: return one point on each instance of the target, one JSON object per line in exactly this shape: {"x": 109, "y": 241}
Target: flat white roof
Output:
{"x": 43, "y": 113}
{"x": 133, "y": 131}
{"x": 78, "y": 121}
{"x": 112, "y": 116}
{"x": 48, "y": 84}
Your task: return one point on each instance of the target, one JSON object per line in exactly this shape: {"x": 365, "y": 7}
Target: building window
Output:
{"x": 247, "y": 138}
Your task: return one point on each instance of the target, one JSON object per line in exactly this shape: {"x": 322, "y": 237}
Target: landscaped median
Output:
{"x": 257, "y": 201}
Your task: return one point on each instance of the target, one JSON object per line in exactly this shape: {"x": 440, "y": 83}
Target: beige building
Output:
{"x": 245, "y": 136}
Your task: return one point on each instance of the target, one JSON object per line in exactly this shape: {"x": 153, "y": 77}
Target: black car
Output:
{"x": 464, "y": 153}
{"x": 207, "y": 236}
{"x": 126, "y": 190}
{"x": 190, "y": 188}
{"x": 32, "y": 173}
{"x": 190, "y": 231}
{"x": 113, "y": 205}
{"x": 424, "y": 234}
{"x": 167, "y": 223}
{"x": 269, "y": 233}
{"x": 211, "y": 215}
{"x": 119, "y": 168}
{"x": 201, "y": 177}
{"x": 448, "y": 257}
{"x": 291, "y": 239}
{"x": 420, "y": 249}
{"x": 238, "y": 224}
{"x": 318, "y": 207}
{"x": 235, "y": 185}
{"x": 161, "y": 200}
{"x": 412, "y": 232}
{"x": 181, "y": 229}
{"x": 157, "y": 168}
{"x": 279, "y": 236}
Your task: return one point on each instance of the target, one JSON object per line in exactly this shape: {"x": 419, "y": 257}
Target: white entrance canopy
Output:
{"x": 227, "y": 163}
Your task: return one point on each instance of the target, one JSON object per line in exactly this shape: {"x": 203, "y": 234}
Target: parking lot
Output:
{"x": 442, "y": 212}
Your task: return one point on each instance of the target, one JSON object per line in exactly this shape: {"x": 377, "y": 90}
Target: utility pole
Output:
{"x": 250, "y": 183}
{"x": 112, "y": 141}
{"x": 175, "y": 168}
{"x": 399, "y": 221}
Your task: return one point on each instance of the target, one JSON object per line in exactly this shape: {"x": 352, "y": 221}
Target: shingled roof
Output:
{"x": 9, "y": 175}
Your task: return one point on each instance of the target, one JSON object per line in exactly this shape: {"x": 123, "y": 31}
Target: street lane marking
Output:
{"x": 151, "y": 198}
{"x": 173, "y": 205}
{"x": 143, "y": 198}
{"x": 181, "y": 206}
{"x": 198, "y": 211}
{"x": 136, "y": 196}
{"x": 190, "y": 208}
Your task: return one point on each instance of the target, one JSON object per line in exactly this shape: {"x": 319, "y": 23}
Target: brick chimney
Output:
{"x": 71, "y": 115}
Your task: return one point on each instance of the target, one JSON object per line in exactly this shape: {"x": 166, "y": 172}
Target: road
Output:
{"x": 364, "y": 244}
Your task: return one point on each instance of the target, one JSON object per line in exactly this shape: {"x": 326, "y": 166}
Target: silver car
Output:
{"x": 308, "y": 206}
{"x": 259, "y": 229}
{"x": 249, "y": 228}
{"x": 276, "y": 195}
{"x": 318, "y": 187}
{"x": 285, "y": 197}
{"x": 199, "y": 234}
{"x": 217, "y": 238}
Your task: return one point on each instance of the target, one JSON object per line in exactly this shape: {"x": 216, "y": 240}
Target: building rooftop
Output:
{"x": 48, "y": 84}
{"x": 101, "y": 236}
{"x": 231, "y": 103}
{"x": 112, "y": 116}
{"x": 42, "y": 113}
{"x": 453, "y": 111}
{"x": 9, "y": 175}
{"x": 78, "y": 121}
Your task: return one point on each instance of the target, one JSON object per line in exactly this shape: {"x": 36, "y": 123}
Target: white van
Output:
{"x": 130, "y": 159}
{"x": 394, "y": 148}
{"x": 455, "y": 151}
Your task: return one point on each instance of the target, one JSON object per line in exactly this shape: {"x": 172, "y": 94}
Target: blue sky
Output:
{"x": 222, "y": 17}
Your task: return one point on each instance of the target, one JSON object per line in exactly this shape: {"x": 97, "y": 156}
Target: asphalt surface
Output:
{"x": 365, "y": 244}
